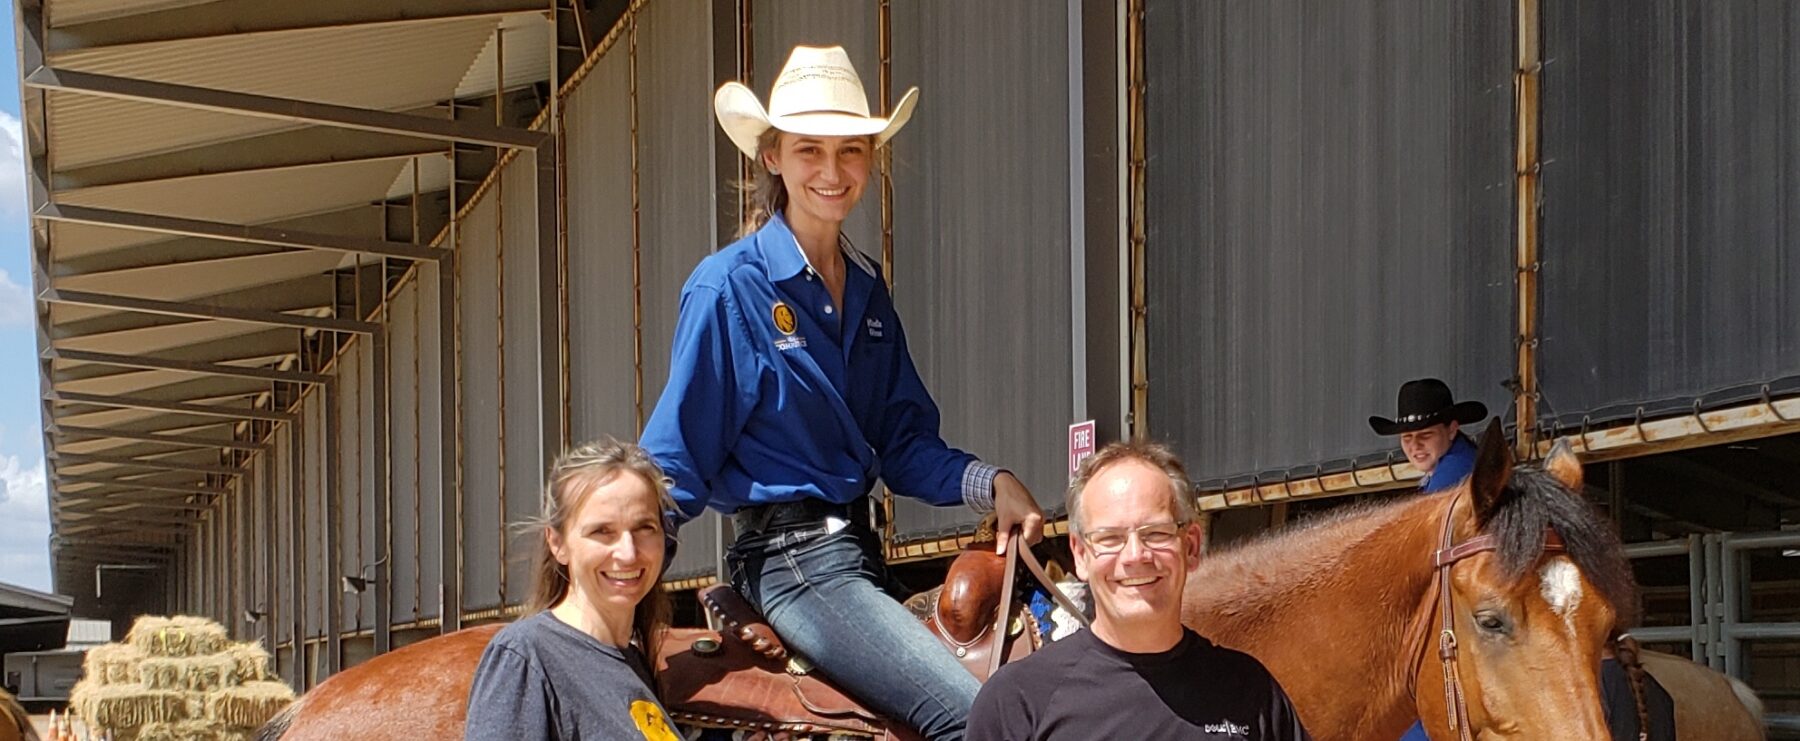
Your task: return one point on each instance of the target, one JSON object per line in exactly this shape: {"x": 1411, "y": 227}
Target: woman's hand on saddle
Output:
{"x": 1014, "y": 507}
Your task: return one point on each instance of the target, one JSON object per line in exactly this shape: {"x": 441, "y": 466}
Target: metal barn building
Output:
{"x": 323, "y": 286}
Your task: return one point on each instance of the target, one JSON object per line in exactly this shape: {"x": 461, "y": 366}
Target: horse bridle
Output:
{"x": 1446, "y": 556}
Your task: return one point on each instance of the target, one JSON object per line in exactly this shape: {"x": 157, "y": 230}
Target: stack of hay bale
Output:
{"x": 178, "y": 678}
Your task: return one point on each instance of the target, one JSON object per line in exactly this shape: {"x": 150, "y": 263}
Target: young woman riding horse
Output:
{"x": 792, "y": 390}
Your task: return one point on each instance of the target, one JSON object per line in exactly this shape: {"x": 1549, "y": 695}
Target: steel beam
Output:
{"x": 82, "y": 459}
{"x": 334, "y": 526}
{"x": 203, "y": 311}
{"x": 247, "y": 233}
{"x": 178, "y": 440}
{"x": 184, "y": 366}
{"x": 237, "y": 18}
{"x": 128, "y": 483}
{"x": 156, "y": 405}
{"x": 135, "y": 519}
{"x": 281, "y": 109}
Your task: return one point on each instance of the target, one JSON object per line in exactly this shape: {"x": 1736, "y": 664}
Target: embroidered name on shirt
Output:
{"x": 1226, "y": 727}
{"x": 875, "y": 328}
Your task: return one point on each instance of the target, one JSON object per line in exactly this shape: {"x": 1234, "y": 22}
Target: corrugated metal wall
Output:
{"x": 597, "y": 171}
{"x": 285, "y": 508}
{"x": 981, "y": 234}
{"x": 351, "y": 525}
{"x": 433, "y": 428}
{"x": 1671, "y": 191}
{"x": 314, "y": 438}
{"x": 1329, "y": 214}
{"x": 479, "y": 343}
{"x": 676, "y": 187}
{"x": 525, "y": 464}
{"x": 405, "y": 472}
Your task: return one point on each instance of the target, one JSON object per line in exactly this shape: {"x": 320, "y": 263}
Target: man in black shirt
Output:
{"x": 1139, "y": 673}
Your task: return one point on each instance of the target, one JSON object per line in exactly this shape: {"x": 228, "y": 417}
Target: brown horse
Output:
{"x": 15, "y": 723}
{"x": 1708, "y": 704}
{"x": 1343, "y": 611}
{"x": 1347, "y": 611}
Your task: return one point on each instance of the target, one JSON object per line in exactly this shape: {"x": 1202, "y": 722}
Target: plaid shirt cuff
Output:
{"x": 978, "y": 485}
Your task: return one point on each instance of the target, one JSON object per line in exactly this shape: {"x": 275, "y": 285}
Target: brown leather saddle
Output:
{"x": 742, "y": 677}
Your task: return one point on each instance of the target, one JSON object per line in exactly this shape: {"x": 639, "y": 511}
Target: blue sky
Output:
{"x": 24, "y": 510}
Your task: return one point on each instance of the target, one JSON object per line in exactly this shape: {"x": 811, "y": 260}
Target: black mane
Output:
{"x": 1534, "y": 500}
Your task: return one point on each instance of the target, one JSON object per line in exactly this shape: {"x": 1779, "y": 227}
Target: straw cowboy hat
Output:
{"x": 1426, "y": 402}
{"x": 817, "y": 94}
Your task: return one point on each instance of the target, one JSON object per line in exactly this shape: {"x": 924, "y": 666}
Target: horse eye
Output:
{"x": 1490, "y": 622}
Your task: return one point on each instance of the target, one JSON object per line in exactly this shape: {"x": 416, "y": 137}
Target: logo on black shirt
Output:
{"x": 784, "y": 318}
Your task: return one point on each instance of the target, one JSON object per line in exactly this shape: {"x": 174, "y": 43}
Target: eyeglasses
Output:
{"x": 1161, "y": 536}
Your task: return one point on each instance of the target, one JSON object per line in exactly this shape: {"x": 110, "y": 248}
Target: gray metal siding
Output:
{"x": 1329, "y": 214}
{"x": 282, "y": 525}
{"x": 404, "y": 469}
{"x": 351, "y": 453}
{"x": 480, "y": 397}
{"x": 1671, "y": 216}
{"x": 778, "y": 27}
{"x": 597, "y": 158}
{"x": 676, "y": 195}
{"x": 524, "y": 452}
{"x": 368, "y": 467}
{"x": 432, "y": 429}
{"x": 981, "y": 234}
{"x": 312, "y": 483}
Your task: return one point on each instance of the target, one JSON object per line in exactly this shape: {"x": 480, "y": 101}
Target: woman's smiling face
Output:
{"x": 824, "y": 175}
{"x": 612, "y": 544}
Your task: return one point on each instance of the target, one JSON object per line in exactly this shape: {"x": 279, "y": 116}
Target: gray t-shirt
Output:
{"x": 540, "y": 678}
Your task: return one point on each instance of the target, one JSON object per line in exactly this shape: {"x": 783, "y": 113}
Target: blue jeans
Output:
{"x": 822, "y": 593}
{"x": 1415, "y": 733}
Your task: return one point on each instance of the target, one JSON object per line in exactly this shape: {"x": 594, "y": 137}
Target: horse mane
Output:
{"x": 1533, "y": 500}
{"x": 10, "y": 706}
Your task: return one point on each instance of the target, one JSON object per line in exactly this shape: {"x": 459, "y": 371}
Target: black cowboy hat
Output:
{"x": 1426, "y": 402}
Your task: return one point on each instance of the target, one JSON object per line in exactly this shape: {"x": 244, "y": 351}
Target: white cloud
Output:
{"x": 17, "y": 307}
{"x": 24, "y": 525}
{"x": 12, "y": 166}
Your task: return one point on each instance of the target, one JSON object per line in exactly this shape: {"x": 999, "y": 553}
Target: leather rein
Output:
{"x": 1445, "y": 557}
{"x": 1017, "y": 550}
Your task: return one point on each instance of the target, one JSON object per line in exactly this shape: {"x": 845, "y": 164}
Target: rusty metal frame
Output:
{"x": 282, "y": 109}
{"x": 1527, "y": 140}
{"x": 637, "y": 234}
{"x": 1137, "y": 229}
{"x": 499, "y": 196}
{"x": 243, "y": 233}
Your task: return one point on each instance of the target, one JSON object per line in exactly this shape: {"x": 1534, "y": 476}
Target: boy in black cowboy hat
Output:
{"x": 1429, "y": 424}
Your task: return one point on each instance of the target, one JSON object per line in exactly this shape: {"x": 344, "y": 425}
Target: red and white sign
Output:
{"x": 1082, "y": 444}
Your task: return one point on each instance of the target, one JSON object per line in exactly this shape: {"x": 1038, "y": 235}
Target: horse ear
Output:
{"x": 1564, "y": 466}
{"x": 1493, "y": 467}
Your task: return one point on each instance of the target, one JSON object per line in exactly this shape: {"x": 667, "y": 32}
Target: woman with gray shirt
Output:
{"x": 576, "y": 668}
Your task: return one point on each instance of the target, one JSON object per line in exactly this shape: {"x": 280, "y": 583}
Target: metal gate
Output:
{"x": 1719, "y": 581}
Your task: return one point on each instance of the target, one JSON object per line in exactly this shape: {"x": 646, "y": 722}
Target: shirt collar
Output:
{"x": 782, "y": 254}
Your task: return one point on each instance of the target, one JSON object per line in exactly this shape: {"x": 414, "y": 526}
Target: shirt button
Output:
{"x": 828, "y": 310}
{"x": 809, "y": 275}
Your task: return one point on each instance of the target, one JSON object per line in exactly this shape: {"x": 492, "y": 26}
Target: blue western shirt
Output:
{"x": 1458, "y": 462}
{"x": 775, "y": 395}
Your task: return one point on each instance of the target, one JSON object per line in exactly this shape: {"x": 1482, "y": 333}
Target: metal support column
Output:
{"x": 296, "y": 512}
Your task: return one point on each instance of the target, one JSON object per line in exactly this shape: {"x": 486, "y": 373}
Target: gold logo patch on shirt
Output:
{"x": 784, "y": 318}
{"x": 650, "y": 721}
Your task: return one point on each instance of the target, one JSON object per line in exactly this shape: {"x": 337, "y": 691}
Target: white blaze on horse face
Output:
{"x": 1560, "y": 583}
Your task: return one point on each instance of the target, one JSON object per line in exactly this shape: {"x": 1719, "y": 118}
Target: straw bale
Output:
{"x": 251, "y": 660}
{"x": 250, "y": 704}
{"x": 182, "y": 730}
{"x": 119, "y": 706}
{"x": 182, "y": 635}
{"x": 113, "y": 663}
